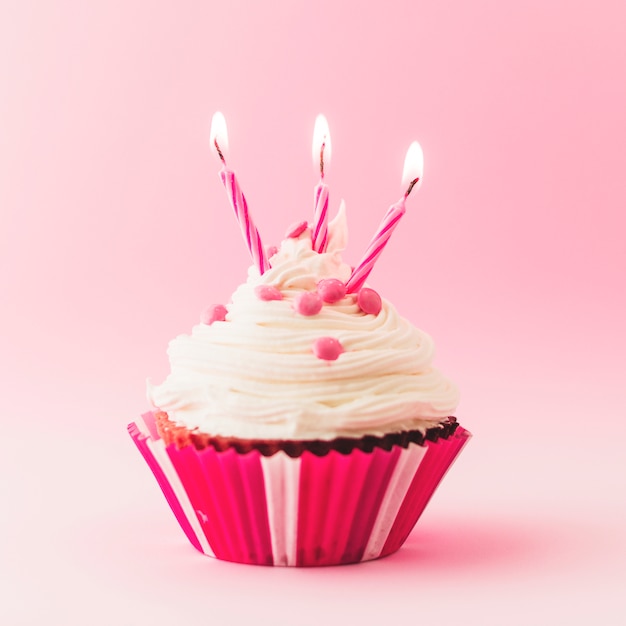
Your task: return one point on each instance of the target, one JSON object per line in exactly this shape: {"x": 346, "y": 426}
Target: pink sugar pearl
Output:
{"x": 295, "y": 230}
{"x": 331, "y": 290}
{"x": 369, "y": 301}
{"x": 327, "y": 348}
{"x": 214, "y": 313}
{"x": 271, "y": 251}
{"x": 267, "y": 293}
{"x": 307, "y": 303}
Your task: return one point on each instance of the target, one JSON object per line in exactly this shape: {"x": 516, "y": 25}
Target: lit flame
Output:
{"x": 219, "y": 134}
{"x": 321, "y": 136}
{"x": 413, "y": 165}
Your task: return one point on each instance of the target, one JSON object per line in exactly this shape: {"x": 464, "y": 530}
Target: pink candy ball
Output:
{"x": 271, "y": 251}
{"x": 214, "y": 313}
{"x": 369, "y": 301}
{"x": 331, "y": 289}
{"x": 327, "y": 348}
{"x": 307, "y": 303}
{"x": 267, "y": 293}
{"x": 295, "y": 230}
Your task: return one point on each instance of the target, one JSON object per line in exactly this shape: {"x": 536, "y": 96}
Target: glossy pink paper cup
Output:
{"x": 304, "y": 511}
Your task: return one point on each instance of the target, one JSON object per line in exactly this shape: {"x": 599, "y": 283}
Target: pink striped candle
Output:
{"x": 219, "y": 140}
{"x": 321, "y": 151}
{"x": 413, "y": 169}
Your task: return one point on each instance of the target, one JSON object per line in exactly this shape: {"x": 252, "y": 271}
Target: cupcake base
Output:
{"x": 299, "y": 506}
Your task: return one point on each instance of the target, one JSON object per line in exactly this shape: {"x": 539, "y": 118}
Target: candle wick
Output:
{"x": 411, "y": 185}
{"x": 219, "y": 151}
{"x": 322, "y": 159}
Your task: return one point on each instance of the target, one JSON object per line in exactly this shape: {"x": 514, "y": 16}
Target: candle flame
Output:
{"x": 322, "y": 147}
{"x": 219, "y": 135}
{"x": 413, "y": 167}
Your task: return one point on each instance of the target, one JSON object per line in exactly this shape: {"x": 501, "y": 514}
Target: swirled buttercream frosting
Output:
{"x": 286, "y": 361}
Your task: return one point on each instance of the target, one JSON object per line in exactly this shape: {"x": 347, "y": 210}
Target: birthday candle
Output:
{"x": 413, "y": 171}
{"x": 321, "y": 151}
{"x": 219, "y": 140}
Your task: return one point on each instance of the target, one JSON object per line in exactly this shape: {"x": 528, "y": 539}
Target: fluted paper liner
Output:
{"x": 304, "y": 511}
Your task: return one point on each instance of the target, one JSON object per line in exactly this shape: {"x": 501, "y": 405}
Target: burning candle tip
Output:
{"x": 321, "y": 143}
{"x": 219, "y": 151}
{"x": 411, "y": 185}
{"x": 413, "y": 167}
{"x": 219, "y": 135}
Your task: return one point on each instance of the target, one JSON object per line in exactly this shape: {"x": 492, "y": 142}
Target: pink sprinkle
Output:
{"x": 327, "y": 348}
{"x": 295, "y": 230}
{"x": 267, "y": 293}
{"x": 307, "y": 303}
{"x": 214, "y": 313}
{"x": 369, "y": 301}
{"x": 271, "y": 251}
{"x": 331, "y": 289}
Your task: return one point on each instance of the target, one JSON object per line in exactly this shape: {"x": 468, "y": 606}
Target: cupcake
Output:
{"x": 300, "y": 424}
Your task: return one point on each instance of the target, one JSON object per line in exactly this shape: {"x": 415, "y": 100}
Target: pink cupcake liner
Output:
{"x": 437, "y": 459}
{"x": 171, "y": 486}
{"x": 305, "y": 511}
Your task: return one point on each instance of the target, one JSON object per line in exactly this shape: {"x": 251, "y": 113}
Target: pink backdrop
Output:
{"x": 115, "y": 232}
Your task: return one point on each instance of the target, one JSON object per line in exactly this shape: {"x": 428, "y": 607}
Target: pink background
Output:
{"x": 115, "y": 232}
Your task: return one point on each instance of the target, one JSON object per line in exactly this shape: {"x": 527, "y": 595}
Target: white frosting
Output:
{"x": 254, "y": 375}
